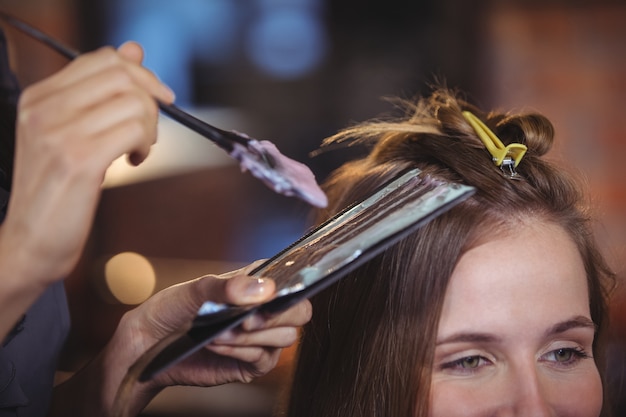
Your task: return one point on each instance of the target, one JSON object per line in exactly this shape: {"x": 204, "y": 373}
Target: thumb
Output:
{"x": 131, "y": 51}
{"x": 235, "y": 289}
{"x": 244, "y": 289}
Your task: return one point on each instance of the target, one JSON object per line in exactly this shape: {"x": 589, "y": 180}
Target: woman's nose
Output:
{"x": 529, "y": 394}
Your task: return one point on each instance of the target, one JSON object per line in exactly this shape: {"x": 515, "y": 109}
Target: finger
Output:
{"x": 133, "y": 54}
{"x": 103, "y": 60}
{"x": 244, "y": 290}
{"x": 82, "y": 67}
{"x": 110, "y": 147}
{"x": 296, "y": 316}
{"x": 88, "y": 92}
{"x": 236, "y": 289}
{"x": 132, "y": 51}
{"x": 132, "y": 108}
{"x": 276, "y": 337}
{"x": 129, "y": 109}
{"x": 82, "y": 116}
{"x": 261, "y": 358}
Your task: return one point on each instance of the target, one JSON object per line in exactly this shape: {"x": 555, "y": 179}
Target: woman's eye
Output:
{"x": 466, "y": 364}
{"x": 563, "y": 355}
{"x": 566, "y": 356}
{"x": 470, "y": 362}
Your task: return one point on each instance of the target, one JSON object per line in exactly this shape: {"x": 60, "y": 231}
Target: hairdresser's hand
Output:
{"x": 240, "y": 355}
{"x": 71, "y": 127}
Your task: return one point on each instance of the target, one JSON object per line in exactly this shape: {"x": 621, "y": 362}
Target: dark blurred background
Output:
{"x": 293, "y": 72}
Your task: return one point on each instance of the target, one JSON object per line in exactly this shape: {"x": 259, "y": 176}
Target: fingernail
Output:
{"x": 256, "y": 287}
{"x": 254, "y": 322}
{"x": 225, "y": 337}
{"x": 168, "y": 92}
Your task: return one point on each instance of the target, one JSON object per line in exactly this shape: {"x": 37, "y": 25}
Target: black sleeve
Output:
{"x": 9, "y": 94}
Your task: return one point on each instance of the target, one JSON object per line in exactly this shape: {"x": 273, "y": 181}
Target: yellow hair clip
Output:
{"x": 503, "y": 156}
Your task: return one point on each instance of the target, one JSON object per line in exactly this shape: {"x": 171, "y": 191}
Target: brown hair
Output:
{"x": 367, "y": 350}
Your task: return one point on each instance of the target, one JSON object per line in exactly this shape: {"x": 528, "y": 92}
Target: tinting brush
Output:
{"x": 261, "y": 158}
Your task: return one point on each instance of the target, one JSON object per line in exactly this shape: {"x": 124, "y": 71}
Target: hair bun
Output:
{"x": 533, "y": 130}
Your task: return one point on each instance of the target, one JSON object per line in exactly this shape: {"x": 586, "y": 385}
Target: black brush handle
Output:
{"x": 24, "y": 27}
{"x": 222, "y": 138}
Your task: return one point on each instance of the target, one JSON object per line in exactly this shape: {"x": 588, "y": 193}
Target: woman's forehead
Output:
{"x": 535, "y": 270}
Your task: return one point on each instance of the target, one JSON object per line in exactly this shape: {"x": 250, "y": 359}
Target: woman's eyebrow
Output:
{"x": 478, "y": 337}
{"x": 573, "y": 323}
{"x": 469, "y": 337}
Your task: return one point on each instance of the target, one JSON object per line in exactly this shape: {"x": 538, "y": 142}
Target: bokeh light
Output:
{"x": 129, "y": 277}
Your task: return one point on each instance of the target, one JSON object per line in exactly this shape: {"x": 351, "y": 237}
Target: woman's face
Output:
{"x": 515, "y": 337}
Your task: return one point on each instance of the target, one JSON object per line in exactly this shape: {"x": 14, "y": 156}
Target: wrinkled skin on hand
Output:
{"x": 239, "y": 355}
{"x": 70, "y": 127}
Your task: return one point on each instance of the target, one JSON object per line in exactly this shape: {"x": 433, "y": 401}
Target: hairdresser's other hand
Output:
{"x": 240, "y": 355}
{"x": 70, "y": 128}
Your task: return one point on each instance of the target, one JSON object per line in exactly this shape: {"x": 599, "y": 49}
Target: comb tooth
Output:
{"x": 407, "y": 201}
{"x": 419, "y": 200}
